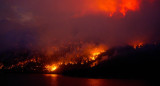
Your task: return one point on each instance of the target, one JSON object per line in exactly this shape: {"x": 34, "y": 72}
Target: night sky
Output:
{"x": 36, "y": 24}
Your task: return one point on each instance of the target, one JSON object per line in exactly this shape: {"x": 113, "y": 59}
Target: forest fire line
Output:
{"x": 92, "y": 57}
{"x": 52, "y": 67}
{"x": 71, "y": 55}
{"x": 23, "y": 63}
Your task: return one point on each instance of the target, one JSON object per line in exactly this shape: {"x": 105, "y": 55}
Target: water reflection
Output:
{"x": 96, "y": 82}
{"x": 59, "y": 80}
{"x": 51, "y": 79}
{"x": 51, "y": 75}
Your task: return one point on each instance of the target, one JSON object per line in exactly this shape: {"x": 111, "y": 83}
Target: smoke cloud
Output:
{"x": 42, "y": 24}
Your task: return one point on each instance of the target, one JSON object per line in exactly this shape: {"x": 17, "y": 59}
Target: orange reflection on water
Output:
{"x": 60, "y": 80}
{"x": 51, "y": 75}
{"x": 115, "y": 82}
{"x": 96, "y": 82}
{"x": 51, "y": 79}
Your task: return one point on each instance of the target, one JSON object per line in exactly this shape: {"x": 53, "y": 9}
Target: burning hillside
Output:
{"x": 71, "y": 55}
{"x": 90, "y": 37}
{"x": 77, "y": 57}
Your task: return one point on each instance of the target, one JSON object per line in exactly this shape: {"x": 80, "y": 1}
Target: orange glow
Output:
{"x": 93, "y": 57}
{"x": 1, "y": 65}
{"x": 89, "y": 53}
{"x": 94, "y": 64}
{"x": 126, "y": 5}
{"x": 111, "y": 7}
{"x": 137, "y": 44}
{"x": 51, "y": 75}
{"x": 23, "y": 63}
{"x": 51, "y": 68}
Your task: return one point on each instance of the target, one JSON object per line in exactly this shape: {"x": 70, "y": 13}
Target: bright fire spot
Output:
{"x": 111, "y": 7}
{"x": 95, "y": 53}
{"x": 51, "y": 67}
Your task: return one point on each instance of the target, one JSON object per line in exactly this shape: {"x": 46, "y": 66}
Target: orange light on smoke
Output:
{"x": 110, "y": 7}
{"x": 126, "y": 5}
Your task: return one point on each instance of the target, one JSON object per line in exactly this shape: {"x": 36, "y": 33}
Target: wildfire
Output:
{"x": 95, "y": 53}
{"x": 23, "y": 63}
{"x": 83, "y": 55}
{"x": 51, "y": 68}
{"x": 78, "y": 54}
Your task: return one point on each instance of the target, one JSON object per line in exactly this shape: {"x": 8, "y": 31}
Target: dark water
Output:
{"x": 59, "y": 80}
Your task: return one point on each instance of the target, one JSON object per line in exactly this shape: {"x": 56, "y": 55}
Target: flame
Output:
{"x": 51, "y": 68}
{"x": 110, "y": 7}
{"x": 95, "y": 53}
{"x": 83, "y": 55}
{"x": 86, "y": 53}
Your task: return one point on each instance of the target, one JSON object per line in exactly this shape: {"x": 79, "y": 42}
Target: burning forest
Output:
{"x": 109, "y": 38}
{"x": 83, "y": 59}
{"x": 77, "y": 54}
